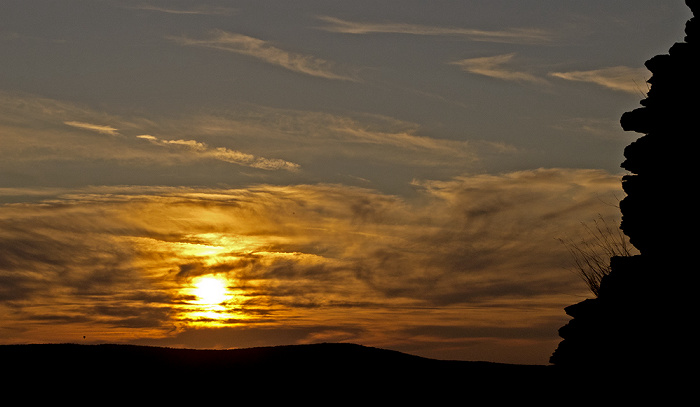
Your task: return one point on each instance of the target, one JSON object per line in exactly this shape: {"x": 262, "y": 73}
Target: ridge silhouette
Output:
{"x": 638, "y": 323}
{"x": 332, "y": 372}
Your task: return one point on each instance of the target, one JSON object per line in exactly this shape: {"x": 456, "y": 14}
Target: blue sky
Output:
{"x": 393, "y": 173}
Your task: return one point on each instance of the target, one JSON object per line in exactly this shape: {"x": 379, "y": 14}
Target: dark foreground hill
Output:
{"x": 347, "y": 368}
{"x": 330, "y": 372}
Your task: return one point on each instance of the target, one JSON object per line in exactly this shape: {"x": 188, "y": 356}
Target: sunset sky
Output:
{"x": 393, "y": 173}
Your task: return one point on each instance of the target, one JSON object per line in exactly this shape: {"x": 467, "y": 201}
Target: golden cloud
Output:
{"x": 114, "y": 257}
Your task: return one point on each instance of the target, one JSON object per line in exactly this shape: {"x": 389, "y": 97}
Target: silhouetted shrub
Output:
{"x": 591, "y": 255}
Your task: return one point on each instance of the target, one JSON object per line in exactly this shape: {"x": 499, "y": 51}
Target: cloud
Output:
{"x": 197, "y": 10}
{"x": 619, "y": 78}
{"x": 328, "y": 147}
{"x": 201, "y": 150}
{"x": 352, "y": 135}
{"x": 380, "y": 132}
{"x": 94, "y": 127}
{"x": 517, "y": 36}
{"x": 311, "y": 137}
{"x": 333, "y": 257}
{"x": 36, "y": 129}
{"x": 265, "y": 51}
{"x": 496, "y": 67}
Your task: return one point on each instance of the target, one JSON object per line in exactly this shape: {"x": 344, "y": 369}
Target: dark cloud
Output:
{"x": 132, "y": 316}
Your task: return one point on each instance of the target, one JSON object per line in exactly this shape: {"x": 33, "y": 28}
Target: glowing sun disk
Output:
{"x": 210, "y": 290}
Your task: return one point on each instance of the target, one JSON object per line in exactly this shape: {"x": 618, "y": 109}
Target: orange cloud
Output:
{"x": 94, "y": 127}
{"x": 336, "y": 258}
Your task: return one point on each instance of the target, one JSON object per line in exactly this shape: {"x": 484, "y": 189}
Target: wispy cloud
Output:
{"x": 620, "y": 78}
{"x": 34, "y": 129}
{"x": 269, "y": 53}
{"x": 201, "y": 150}
{"x": 278, "y": 145}
{"x": 513, "y": 35}
{"x": 197, "y": 10}
{"x": 94, "y": 127}
{"x": 310, "y": 136}
{"x": 496, "y": 67}
{"x": 383, "y": 133}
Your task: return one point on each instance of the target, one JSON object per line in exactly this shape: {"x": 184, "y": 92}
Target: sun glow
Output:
{"x": 205, "y": 287}
{"x": 212, "y": 301}
{"x": 210, "y": 290}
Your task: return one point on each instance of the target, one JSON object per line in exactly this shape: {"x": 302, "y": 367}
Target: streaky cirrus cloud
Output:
{"x": 496, "y": 67}
{"x": 36, "y": 129}
{"x": 202, "y": 9}
{"x": 94, "y": 127}
{"x": 512, "y": 35}
{"x": 305, "y": 136}
{"x": 267, "y": 52}
{"x": 202, "y": 150}
{"x": 620, "y": 78}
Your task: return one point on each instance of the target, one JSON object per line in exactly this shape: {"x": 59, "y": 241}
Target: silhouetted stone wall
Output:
{"x": 661, "y": 159}
{"x": 645, "y": 307}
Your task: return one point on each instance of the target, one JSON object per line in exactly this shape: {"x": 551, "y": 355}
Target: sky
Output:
{"x": 392, "y": 173}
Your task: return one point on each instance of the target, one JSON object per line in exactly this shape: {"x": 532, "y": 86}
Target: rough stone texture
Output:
{"x": 642, "y": 316}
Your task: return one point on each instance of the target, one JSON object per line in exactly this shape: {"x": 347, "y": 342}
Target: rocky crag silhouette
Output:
{"x": 641, "y": 319}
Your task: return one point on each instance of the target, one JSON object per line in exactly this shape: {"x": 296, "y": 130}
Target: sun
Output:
{"x": 210, "y": 290}
{"x": 211, "y": 301}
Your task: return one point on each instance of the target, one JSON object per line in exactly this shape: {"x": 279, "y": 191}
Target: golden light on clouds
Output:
{"x": 94, "y": 127}
{"x": 324, "y": 261}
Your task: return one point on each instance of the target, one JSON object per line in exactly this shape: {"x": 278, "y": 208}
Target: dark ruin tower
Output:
{"x": 643, "y": 316}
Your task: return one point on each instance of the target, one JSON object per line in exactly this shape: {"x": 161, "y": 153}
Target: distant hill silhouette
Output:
{"x": 316, "y": 360}
{"x": 350, "y": 371}
{"x": 328, "y": 374}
